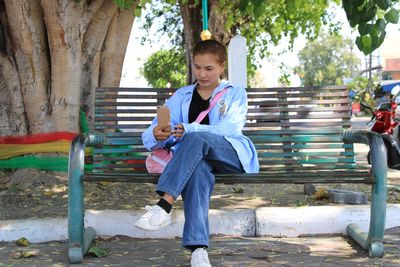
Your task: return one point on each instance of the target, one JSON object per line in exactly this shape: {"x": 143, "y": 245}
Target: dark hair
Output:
{"x": 211, "y": 47}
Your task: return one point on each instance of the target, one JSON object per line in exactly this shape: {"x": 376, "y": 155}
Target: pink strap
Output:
{"x": 212, "y": 104}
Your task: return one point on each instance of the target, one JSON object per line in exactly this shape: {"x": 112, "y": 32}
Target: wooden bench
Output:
{"x": 302, "y": 135}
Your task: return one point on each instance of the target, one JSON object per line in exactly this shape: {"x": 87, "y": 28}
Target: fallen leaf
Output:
{"x": 48, "y": 192}
{"x": 237, "y": 190}
{"x": 30, "y": 253}
{"x": 321, "y": 194}
{"x": 17, "y": 255}
{"x": 97, "y": 251}
{"x": 22, "y": 242}
{"x": 25, "y": 253}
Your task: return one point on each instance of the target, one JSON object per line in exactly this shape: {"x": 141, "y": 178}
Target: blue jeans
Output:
{"x": 191, "y": 173}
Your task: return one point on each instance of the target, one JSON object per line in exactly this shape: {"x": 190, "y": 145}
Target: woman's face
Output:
{"x": 207, "y": 70}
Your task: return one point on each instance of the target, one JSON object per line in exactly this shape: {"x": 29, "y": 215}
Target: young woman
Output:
{"x": 215, "y": 145}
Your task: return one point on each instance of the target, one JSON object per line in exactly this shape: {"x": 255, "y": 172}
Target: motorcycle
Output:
{"x": 385, "y": 122}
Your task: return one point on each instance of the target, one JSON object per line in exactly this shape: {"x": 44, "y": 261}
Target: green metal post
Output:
{"x": 205, "y": 14}
{"x": 75, "y": 200}
{"x": 79, "y": 239}
{"x": 373, "y": 241}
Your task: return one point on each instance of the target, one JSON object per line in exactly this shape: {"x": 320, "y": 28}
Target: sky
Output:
{"x": 136, "y": 54}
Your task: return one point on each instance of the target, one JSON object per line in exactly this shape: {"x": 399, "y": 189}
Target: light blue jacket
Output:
{"x": 227, "y": 118}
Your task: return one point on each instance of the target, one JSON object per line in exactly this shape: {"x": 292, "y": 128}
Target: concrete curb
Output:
{"x": 293, "y": 222}
{"x": 274, "y": 221}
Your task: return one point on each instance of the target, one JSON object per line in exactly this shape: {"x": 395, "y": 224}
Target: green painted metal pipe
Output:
{"x": 75, "y": 199}
{"x": 89, "y": 236}
{"x": 379, "y": 191}
{"x": 205, "y": 14}
{"x": 79, "y": 240}
{"x": 358, "y": 235}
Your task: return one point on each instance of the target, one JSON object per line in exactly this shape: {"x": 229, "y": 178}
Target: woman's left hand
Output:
{"x": 178, "y": 131}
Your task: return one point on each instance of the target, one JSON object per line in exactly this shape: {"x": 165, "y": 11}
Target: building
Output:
{"x": 390, "y": 58}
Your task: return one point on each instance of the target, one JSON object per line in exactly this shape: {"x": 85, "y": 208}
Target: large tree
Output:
{"x": 165, "y": 68}
{"x": 327, "y": 60}
{"x": 53, "y": 53}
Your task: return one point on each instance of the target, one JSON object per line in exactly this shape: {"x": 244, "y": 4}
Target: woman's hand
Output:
{"x": 178, "y": 131}
{"x": 162, "y": 132}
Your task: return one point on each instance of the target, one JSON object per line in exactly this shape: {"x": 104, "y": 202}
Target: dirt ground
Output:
{"x": 45, "y": 194}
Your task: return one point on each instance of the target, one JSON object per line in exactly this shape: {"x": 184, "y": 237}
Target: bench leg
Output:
{"x": 373, "y": 241}
{"x": 76, "y": 251}
{"x": 79, "y": 239}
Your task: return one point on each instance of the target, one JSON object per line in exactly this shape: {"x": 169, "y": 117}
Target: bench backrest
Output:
{"x": 292, "y": 127}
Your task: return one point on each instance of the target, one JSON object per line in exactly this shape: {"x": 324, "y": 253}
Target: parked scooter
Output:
{"x": 385, "y": 123}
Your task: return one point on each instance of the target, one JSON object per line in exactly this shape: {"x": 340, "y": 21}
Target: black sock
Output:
{"x": 194, "y": 247}
{"x": 165, "y": 205}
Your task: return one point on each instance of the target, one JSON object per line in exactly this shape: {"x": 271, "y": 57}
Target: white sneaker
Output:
{"x": 155, "y": 218}
{"x": 200, "y": 258}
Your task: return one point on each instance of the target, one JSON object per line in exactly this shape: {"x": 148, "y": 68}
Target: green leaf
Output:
{"x": 346, "y": 5}
{"x": 392, "y": 16}
{"x": 98, "y": 251}
{"x": 381, "y": 24}
{"x": 381, "y": 38}
{"x": 30, "y": 253}
{"x": 368, "y": 12}
{"x": 354, "y": 20}
{"x": 243, "y": 4}
{"x": 366, "y": 41}
{"x": 22, "y": 242}
{"x": 383, "y": 4}
{"x": 359, "y": 44}
{"x": 237, "y": 190}
{"x": 137, "y": 12}
{"x": 364, "y": 28}
{"x": 357, "y": 3}
{"x": 374, "y": 31}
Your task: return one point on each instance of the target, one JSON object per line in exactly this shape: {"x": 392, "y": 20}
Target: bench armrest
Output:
{"x": 76, "y": 233}
{"x": 76, "y": 160}
{"x": 376, "y": 145}
{"x": 377, "y": 150}
{"x": 378, "y": 192}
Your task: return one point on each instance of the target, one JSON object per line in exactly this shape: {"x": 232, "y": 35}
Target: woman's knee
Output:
{"x": 193, "y": 137}
{"x": 197, "y": 136}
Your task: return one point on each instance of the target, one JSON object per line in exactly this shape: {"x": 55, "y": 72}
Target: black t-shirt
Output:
{"x": 197, "y": 105}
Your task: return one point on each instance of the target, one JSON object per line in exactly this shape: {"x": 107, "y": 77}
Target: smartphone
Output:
{"x": 163, "y": 115}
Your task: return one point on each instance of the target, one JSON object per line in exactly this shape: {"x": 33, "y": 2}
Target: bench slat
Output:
{"x": 329, "y": 177}
{"x": 346, "y": 124}
{"x": 152, "y": 110}
{"x": 261, "y": 117}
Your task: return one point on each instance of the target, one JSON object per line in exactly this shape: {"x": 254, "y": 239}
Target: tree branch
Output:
{"x": 97, "y": 29}
{"x": 29, "y": 42}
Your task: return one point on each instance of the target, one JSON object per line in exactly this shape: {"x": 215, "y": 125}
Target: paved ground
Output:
{"x": 224, "y": 251}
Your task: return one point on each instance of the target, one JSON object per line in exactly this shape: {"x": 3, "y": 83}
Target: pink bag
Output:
{"x": 159, "y": 158}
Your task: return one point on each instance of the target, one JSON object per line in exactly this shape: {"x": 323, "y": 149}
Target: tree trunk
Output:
{"x": 216, "y": 23}
{"x": 192, "y": 26}
{"x": 30, "y": 49}
{"x": 53, "y": 54}
{"x": 12, "y": 112}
